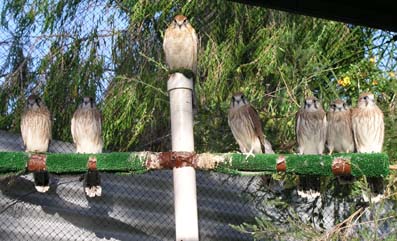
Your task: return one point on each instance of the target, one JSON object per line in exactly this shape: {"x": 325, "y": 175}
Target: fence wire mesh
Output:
{"x": 131, "y": 208}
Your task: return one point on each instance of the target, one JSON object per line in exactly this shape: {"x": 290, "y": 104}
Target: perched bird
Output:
{"x": 87, "y": 135}
{"x": 339, "y": 128}
{"x": 311, "y": 128}
{"x": 340, "y": 136}
{"x": 180, "y": 45}
{"x": 368, "y": 129}
{"x": 36, "y": 135}
{"x": 246, "y": 127}
{"x": 368, "y": 126}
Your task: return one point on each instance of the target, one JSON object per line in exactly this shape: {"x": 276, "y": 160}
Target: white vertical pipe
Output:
{"x": 185, "y": 199}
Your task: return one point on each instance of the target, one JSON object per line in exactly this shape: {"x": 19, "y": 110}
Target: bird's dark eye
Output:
{"x": 314, "y": 100}
{"x": 365, "y": 98}
{"x": 344, "y": 105}
{"x": 242, "y": 96}
{"x": 185, "y": 20}
{"x": 174, "y": 21}
{"x": 333, "y": 106}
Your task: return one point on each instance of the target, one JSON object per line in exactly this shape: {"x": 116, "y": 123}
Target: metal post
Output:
{"x": 185, "y": 198}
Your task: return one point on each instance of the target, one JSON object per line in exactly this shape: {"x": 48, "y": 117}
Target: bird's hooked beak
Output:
{"x": 180, "y": 23}
{"x": 37, "y": 102}
{"x": 89, "y": 103}
{"x": 366, "y": 102}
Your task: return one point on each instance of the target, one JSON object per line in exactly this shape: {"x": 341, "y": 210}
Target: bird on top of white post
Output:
{"x": 180, "y": 48}
{"x": 180, "y": 45}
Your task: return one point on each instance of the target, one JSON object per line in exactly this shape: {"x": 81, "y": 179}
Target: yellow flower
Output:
{"x": 374, "y": 82}
{"x": 392, "y": 74}
{"x": 346, "y": 81}
{"x": 372, "y": 59}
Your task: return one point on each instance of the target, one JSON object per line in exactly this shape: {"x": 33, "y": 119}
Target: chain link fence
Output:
{"x": 132, "y": 207}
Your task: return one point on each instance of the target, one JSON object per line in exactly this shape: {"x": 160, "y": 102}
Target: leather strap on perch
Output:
{"x": 37, "y": 162}
{"x": 341, "y": 167}
{"x": 281, "y": 165}
{"x": 91, "y": 164}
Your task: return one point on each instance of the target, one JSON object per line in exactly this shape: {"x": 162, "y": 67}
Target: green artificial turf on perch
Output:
{"x": 74, "y": 163}
{"x": 373, "y": 165}
{"x": 13, "y": 161}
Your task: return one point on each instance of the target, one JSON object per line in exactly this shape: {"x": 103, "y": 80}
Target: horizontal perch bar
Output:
{"x": 375, "y": 165}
